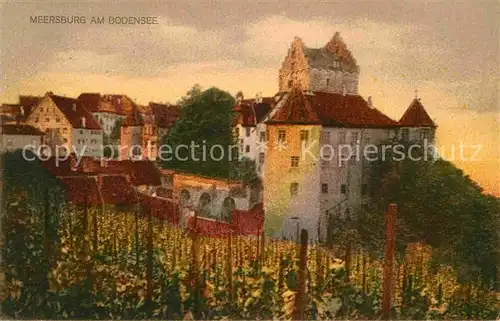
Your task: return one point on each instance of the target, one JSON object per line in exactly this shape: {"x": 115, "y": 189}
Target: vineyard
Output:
{"x": 123, "y": 263}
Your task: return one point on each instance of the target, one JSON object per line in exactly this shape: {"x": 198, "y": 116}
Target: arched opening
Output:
{"x": 204, "y": 204}
{"x": 227, "y": 209}
{"x": 184, "y": 198}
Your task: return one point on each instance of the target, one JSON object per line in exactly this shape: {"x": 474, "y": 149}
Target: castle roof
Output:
{"x": 75, "y": 112}
{"x": 330, "y": 109}
{"x": 416, "y": 116}
{"x": 134, "y": 118}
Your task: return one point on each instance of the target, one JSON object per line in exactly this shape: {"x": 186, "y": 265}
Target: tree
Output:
{"x": 191, "y": 94}
{"x": 439, "y": 206}
{"x": 202, "y": 141}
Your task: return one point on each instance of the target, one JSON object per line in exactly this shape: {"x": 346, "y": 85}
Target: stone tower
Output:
{"x": 131, "y": 136}
{"x": 331, "y": 68}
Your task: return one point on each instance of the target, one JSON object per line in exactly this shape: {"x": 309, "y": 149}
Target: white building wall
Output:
{"x": 107, "y": 120}
{"x": 90, "y": 139}
{"x": 10, "y": 143}
{"x": 247, "y": 141}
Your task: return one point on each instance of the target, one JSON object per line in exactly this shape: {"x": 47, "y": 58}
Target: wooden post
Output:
{"x": 149, "y": 267}
{"x": 136, "y": 212}
{"x": 230, "y": 267}
{"x": 262, "y": 251}
{"x": 363, "y": 273}
{"x": 389, "y": 261}
{"x": 85, "y": 245}
{"x": 347, "y": 260}
{"x": 95, "y": 237}
{"x": 195, "y": 248}
{"x": 300, "y": 296}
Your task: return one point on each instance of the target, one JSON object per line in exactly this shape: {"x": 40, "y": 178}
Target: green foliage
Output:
{"x": 31, "y": 203}
{"x": 440, "y": 206}
{"x": 205, "y": 121}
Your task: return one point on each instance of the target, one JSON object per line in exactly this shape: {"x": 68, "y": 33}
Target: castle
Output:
{"x": 295, "y": 138}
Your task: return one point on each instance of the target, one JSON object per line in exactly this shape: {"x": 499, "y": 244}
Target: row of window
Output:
{"x": 294, "y": 189}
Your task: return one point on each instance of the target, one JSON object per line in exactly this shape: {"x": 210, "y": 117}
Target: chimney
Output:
{"x": 74, "y": 107}
{"x": 83, "y": 122}
{"x": 22, "y": 110}
{"x": 369, "y": 101}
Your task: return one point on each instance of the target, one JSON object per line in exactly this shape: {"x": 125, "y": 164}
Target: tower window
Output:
{"x": 304, "y": 135}
{"x": 343, "y": 189}
{"x": 294, "y": 161}
{"x": 324, "y": 188}
{"x": 261, "y": 158}
{"x": 424, "y": 134}
{"x": 262, "y": 136}
{"x": 247, "y": 148}
{"x": 405, "y": 134}
{"x": 281, "y": 136}
{"x": 327, "y": 82}
{"x": 294, "y": 189}
{"x": 290, "y": 83}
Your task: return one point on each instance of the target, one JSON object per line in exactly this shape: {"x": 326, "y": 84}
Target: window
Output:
{"x": 241, "y": 145}
{"x": 290, "y": 83}
{"x": 294, "y": 161}
{"x": 294, "y": 189}
{"x": 261, "y": 158}
{"x": 10, "y": 143}
{"x": 281, "y": 136}
{"x": 247, "y": 131}
{"x": 65, "y": 131}
{"x": 262, "y": 136}
{"x": 325, "y": 160}
{"x": 58, "y": 120}
{"x": 364, "y": 189}
{"x": 41, "y": 108}
{"x": 247, "y": 148}
{"x": 65, "y": 140}
{"x": 327, "y": 82}
{"x": 405, "y": 133}
{"x": 354, "y": 138}
{"x": 304, "y": 135}
{"x": 424, "y": 134}
{"x": 324, "y": 188}
{"x": 37, "y": 120}
{"x": 325, "y": 137}
{"x": 342, "y": 137}
{"x": 343, "y": 188}
{"x": 47, "y": 120}
{"x": 81, "y": 132}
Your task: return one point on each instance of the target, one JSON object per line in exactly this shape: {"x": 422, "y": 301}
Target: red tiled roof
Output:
{"x": 117, "y": 104}
{"x": 77, "y": 187}
{"x": 416, "y": 116}
{"x": 29, "y": 102}
{"x": 20, "y": 129}
{"x": 297, "y": 109}
{"x": 74, "y": 111}
{"x": 134, "y": 118}
{"x": 332, "y": 109}
{"x": 115, "y": 189}
{"x": 142, "y": 172}
{"x": 68, "y": 167}
{"x": 164, "y": 115}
